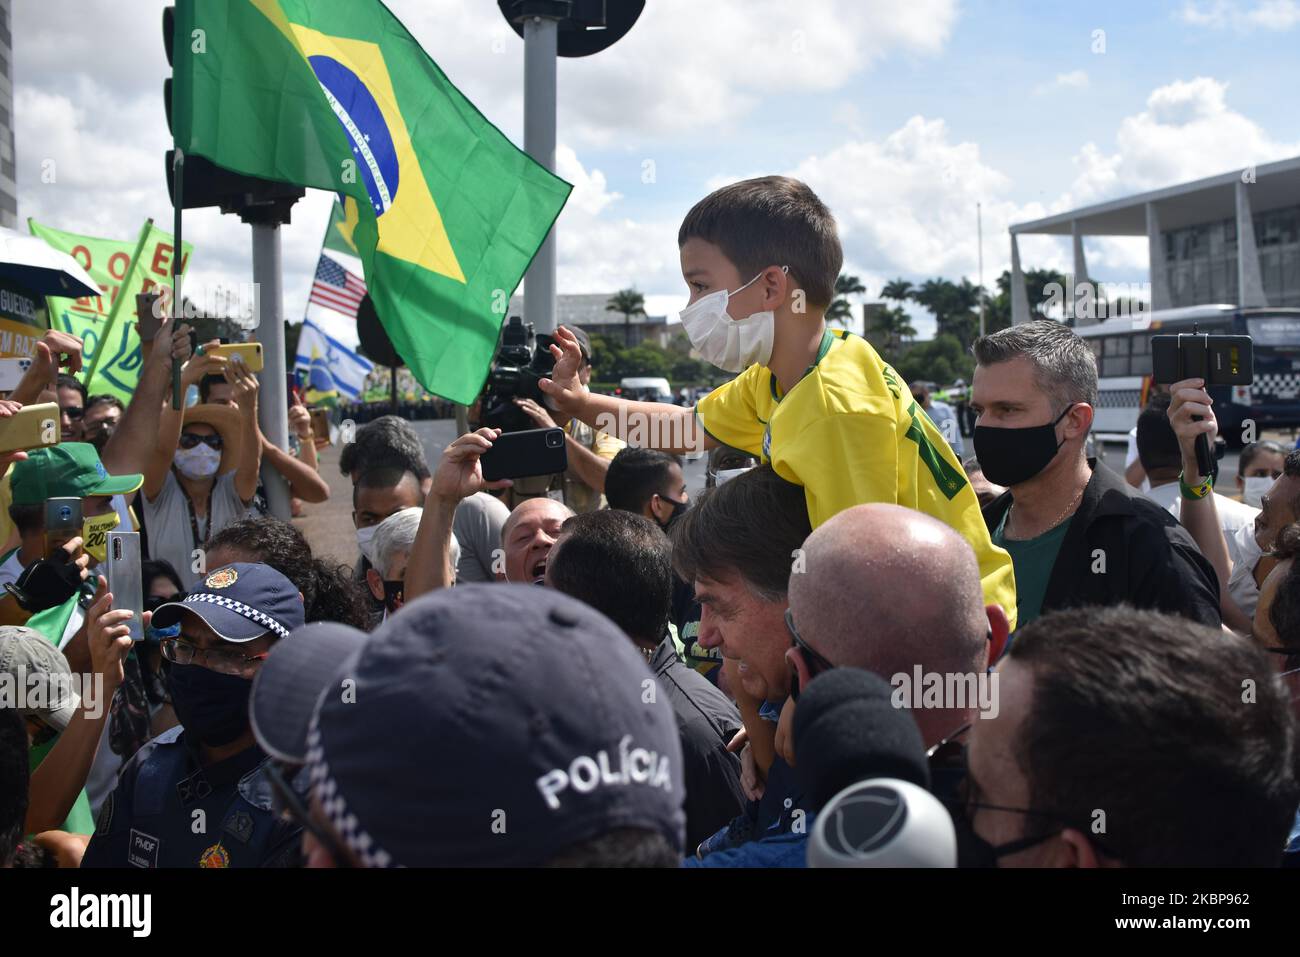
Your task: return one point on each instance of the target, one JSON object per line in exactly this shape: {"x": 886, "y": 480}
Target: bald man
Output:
{"x": 528, "y": 536}
{"x": 887, "y": 589}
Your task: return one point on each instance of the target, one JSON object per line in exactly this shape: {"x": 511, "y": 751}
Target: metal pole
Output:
{"x": 272, "y": 400}
{"x": 979, "y": 229}
{"x": 540, "y": 36}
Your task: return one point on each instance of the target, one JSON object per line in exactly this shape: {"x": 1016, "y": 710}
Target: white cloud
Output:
{"x": 1186, "y": 132}
{"x": 1278, "y": 15}
{"x": 1074, "y": 80}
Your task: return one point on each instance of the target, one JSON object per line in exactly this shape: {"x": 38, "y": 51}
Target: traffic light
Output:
{"x": 207, "y": 184}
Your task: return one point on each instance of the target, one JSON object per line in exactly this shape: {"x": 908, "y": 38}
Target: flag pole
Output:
{"x": 117, "y": 302}
{"x": 178, "y": 204}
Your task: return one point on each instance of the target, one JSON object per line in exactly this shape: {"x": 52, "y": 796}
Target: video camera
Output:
{"x": 523, "y": 359}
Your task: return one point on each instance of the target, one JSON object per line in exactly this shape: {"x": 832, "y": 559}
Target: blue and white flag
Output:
{"x": 327, "y": 366}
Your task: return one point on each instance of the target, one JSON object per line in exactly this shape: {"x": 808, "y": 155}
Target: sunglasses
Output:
{"x": 816, "y": 663}
{"x": 189, "y": 440}
{"x": 154, "y": 602}
{"x": 73, "y": 412}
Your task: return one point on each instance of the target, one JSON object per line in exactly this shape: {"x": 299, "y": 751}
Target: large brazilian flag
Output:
{"x": 336, "y": 94}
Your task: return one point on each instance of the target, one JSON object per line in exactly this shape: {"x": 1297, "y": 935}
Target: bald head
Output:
{"x": 885, "y": 588}
{"x": 528, "y": 535}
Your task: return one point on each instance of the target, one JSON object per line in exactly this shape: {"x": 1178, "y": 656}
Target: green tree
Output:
{"x": 629, "y": 303}
{"x": 895, "y": 325}
{"x": 941, "y": 360}
{"x": 898, "y": 290}
{"x": 647, "y": 359}
{"x": 841, "y": 310}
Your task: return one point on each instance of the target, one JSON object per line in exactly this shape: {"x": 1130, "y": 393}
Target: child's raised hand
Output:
{"x": 563, "y": 386}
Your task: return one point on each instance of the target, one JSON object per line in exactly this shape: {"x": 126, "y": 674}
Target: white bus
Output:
{"x": 1123, "y": 351}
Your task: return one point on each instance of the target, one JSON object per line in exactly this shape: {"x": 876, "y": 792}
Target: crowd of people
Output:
{"x": 1083, "y": 668}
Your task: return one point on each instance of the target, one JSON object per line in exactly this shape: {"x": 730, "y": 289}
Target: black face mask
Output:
{"x": 1011, "y": 456}
{"x": 679, "y": 509}
{"x": 211, "y": 707}
{"x": 975, "y": 852}
{"x": 393, "y": 595}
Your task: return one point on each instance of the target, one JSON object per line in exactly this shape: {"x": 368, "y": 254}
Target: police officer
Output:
{"x": 200, "y": 794}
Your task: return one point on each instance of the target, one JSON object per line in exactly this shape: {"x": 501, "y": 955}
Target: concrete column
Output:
{"x": 1156, "y": 253}
{"x": 1250, "y": 283}
{"x": 1080, "y": 277}
{"x": 1019, "y": 295}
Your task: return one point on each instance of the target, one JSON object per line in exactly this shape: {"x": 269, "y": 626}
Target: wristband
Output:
{"x": 1195, "y": 493}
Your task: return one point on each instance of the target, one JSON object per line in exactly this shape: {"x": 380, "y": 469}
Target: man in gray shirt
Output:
{"x": 477, "y": 527}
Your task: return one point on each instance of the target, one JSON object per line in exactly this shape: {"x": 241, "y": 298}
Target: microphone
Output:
{"x": 863, "y": 766}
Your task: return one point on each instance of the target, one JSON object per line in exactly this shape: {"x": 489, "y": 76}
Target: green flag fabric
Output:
{"x": 109, "y": 263}
{"x": 337, "y": 95}
{"x": 343, "y": 219}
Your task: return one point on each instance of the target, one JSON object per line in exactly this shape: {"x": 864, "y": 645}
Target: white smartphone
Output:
{"x": 12, "y": 372}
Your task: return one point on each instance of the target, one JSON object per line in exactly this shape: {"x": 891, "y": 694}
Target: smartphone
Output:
{"x": 1218, "y": 359}
{"x": 31, "y": 427}
{"x": 11, "y": 373}
{"x": 521, "y": 454}
{"x": 62, "y": 522}
{"x": 292, "y": 391}
{"x": 250, "y": 352}
{"x": 320, "y": 424}
{"x": 125, "y": 578}
{"x": 148, "y": 322}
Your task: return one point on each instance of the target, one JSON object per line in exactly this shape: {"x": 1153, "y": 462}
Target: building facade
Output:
{"x": 1232, "y": 238}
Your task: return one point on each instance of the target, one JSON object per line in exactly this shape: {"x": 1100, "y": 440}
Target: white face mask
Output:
{"x": 730, "y": 344}
{"x": 1256, "y": 486}
{"x": 364, "y": 538}
{"x": 723, "y": 476}
{"x": 199, "y": 462}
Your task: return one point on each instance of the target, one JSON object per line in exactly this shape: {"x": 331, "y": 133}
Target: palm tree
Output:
{"x": 896, "y": 325}
{"x": 630, "y": 303}
{"x": 841, "y": 309}
{"x": 897, "y": 290}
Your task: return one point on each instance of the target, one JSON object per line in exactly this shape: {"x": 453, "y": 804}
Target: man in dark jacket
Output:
{"x": 1077, "y": 533}
{"x": 621, "y": 565}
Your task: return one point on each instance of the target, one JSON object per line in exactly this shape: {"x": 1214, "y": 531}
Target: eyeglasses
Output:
{"x": 182, "y": 652}
{"x": 73, "y": 412}
{"x": 191, "y": 439}
{"x": 816, "y": 663}
{"x": 950, "y": 755}
{"x": 286, "y": 804}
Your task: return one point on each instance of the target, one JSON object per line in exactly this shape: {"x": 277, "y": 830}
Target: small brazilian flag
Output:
{"x": 446, "y": 213}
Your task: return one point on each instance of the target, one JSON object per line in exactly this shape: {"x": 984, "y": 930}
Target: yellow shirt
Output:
{"x": 849, "y": 432}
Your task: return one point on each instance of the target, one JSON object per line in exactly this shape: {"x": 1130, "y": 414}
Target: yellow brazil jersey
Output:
{"x": 849, "y": 432}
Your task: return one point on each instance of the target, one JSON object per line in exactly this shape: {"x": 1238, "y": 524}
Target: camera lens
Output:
{"x": 554, "y": 440}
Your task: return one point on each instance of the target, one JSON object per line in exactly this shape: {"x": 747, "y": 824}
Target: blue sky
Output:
{"x": 902, "y": 115}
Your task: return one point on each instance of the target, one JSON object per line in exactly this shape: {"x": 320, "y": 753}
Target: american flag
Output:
{"x": 336, "y": 288}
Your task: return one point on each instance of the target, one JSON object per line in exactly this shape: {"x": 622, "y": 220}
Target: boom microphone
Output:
{"x": 863, "y": 766}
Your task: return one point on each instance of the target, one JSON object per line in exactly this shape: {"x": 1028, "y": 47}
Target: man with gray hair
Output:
{"x": 394, "y": 537}
{"x": 909, "y": 610}
{"x": 1078, "y": 534}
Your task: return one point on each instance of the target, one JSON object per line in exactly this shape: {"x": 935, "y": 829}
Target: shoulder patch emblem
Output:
{"x": 222, "y": 578}
{"x": 215, "y": 856}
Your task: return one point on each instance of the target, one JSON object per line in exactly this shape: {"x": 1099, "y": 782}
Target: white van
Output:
{"x": 646, "y": 389}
